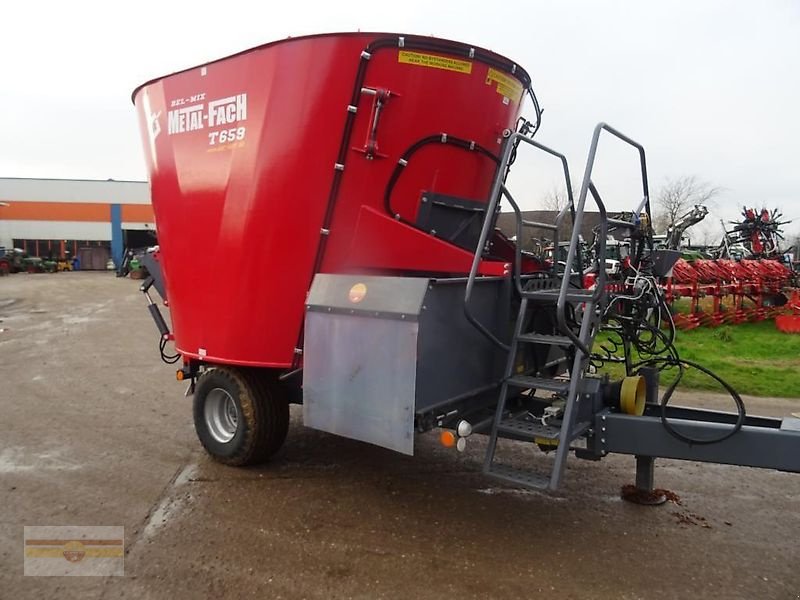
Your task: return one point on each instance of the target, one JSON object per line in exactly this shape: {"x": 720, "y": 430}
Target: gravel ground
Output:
{"x": 95, "y": 431}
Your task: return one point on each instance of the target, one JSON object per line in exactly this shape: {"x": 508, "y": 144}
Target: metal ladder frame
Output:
{"x": 497, "y": 192}
{"x": 590, "y": 320}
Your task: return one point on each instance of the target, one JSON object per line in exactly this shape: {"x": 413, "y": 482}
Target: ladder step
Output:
{"x": 573, "y": 295}
{"x": 534, "y": 430}
{"x": 538, "y": 383}
{"x": 520, "y": 477}
{"x": 553, "y": 363}
{"x": 550, "y": 340}
{"x": 529, "y": 430}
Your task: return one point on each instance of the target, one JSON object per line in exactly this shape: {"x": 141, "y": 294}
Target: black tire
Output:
{"x": 261, "y": 415}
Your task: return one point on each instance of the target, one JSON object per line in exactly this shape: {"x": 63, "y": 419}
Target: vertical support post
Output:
{"x": 116, "y": 234}
{"x": 645, "y": 472}
{"x": 651, "y": 377}
{"x": 644, "y": 491}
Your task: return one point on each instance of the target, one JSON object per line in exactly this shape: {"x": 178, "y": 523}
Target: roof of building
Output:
{"x": 22, "y": 189}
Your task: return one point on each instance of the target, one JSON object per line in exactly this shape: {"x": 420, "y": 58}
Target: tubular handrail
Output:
{"x": 588, "y": 186}
{"x": 491, "y": 207}
{"x": 645, "y": 203}
{"x": 497, "y": 192}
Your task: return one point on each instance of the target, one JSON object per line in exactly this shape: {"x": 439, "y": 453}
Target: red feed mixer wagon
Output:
{"x": 342, "y": 191}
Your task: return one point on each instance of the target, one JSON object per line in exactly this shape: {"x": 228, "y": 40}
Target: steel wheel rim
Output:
{"x": 221, "y": 415}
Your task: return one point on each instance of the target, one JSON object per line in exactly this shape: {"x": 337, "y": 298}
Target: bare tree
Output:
{"x": 555, "y": 199}
{"x": 678, "y": 195}
{"x": 706, "y": 234}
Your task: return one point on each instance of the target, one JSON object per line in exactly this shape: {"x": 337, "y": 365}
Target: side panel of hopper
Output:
{"x": 242, "y": 156}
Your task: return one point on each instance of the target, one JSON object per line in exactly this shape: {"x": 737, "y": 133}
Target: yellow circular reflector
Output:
{"x": 357, "y": 293}
{"x": 632, "y": 396}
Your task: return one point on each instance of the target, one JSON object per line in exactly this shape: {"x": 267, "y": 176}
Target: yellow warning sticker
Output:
{"x": 436, "y": 62}
{"x": 507, "y": 86}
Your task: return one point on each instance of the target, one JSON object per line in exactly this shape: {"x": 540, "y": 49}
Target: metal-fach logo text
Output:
{"x": 221, "y": 117}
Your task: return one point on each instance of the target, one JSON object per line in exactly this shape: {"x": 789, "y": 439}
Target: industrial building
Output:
{"x": 93, "y": 220}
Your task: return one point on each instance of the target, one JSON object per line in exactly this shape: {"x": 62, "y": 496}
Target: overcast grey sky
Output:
{"x": 711, "y": 88}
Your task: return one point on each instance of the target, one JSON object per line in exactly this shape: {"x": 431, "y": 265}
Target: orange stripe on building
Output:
{"x": 56, "y": 211}
{"x": 73, "y": 211}
{"x": 137, "y": 213}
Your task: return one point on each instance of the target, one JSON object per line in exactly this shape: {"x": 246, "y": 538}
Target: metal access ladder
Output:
{"x": 551, "y": 292}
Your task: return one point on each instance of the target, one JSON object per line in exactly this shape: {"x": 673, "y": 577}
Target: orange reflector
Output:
{"x": 448, "y": 439}
{"x": 179, "y": 375}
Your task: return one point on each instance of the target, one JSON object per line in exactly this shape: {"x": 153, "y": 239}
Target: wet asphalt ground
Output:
{"x": 94, "y": 430}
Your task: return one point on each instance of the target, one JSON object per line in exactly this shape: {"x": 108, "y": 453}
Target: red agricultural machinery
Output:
{"x": 740, "y": 291}
{"x": 345, "y": 190}
{"x": 745, "y": 280}
{"x": 789, "y": 321}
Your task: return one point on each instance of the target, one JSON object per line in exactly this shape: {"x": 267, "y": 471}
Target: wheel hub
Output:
{"x": 221, "y": 415}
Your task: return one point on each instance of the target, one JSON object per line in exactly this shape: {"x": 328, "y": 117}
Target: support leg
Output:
{"x": 644, "y": 491}
{"x": 645, "y": 472}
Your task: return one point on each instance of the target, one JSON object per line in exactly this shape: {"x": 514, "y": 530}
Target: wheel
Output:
{"x": 241, "y": 417}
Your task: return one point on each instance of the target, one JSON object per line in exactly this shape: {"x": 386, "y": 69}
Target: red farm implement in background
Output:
{"x": 746, "y": 281}
{"x": 789, "y": 322}
{"x": 726, "y": 291}
{"x": 343, "y": 190}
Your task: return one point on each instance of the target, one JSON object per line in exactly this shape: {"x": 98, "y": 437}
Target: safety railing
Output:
{"x": 499, "y": 191}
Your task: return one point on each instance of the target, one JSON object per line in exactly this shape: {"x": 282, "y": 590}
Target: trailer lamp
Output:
{"x": 447, "y": 438}
{"x": 461, "y": 444}
{"x": 464, "y": 429}
{"x": 185, "y": 373}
